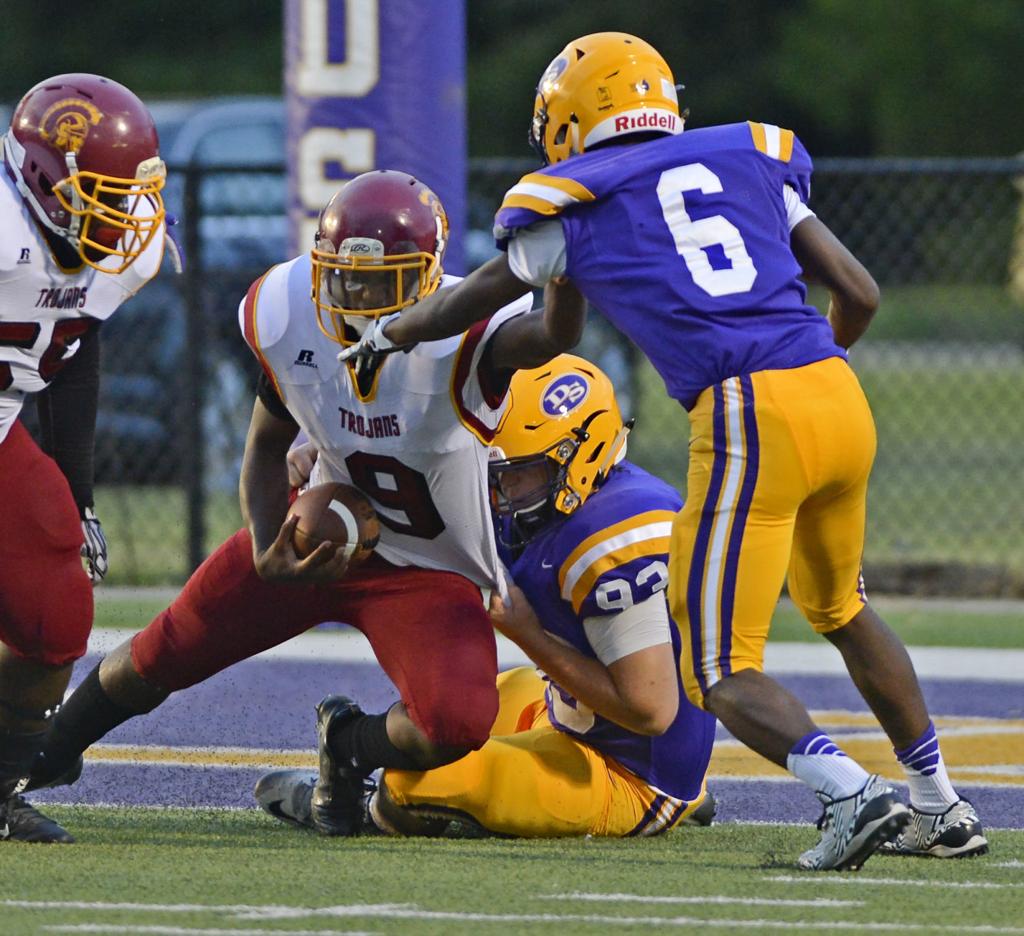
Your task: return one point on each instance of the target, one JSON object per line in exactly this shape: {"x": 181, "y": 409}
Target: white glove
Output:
{"x": 373, "y": 341}
{"x": 94, "y": 549}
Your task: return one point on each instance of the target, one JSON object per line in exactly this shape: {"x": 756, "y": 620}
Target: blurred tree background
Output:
{"x": 853, "y": 77}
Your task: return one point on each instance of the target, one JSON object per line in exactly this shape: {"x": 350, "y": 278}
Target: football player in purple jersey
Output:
{"x": 81, "y": 230}
{"x": 697, "y": 246}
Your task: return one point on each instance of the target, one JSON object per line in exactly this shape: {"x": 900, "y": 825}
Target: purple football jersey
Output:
{"x": 626, "y": 526}
{"x": 683, "y": 244}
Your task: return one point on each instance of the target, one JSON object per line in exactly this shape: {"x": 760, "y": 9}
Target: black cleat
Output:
{"x": 386, "y": 816}
{"x": 20, "y": 821}
{"x": 704, "y": 814}
{"x": 46, "y": 775}
{"x": 336, "y": 806}
{"x": 956, "y": 833}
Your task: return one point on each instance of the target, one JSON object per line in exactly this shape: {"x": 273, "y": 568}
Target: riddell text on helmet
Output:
{"x": 649, "y": 120}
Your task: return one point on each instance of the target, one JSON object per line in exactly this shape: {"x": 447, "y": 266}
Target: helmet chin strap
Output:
{"x": 76, "y": 201}
{"x": 574, "y": 135}
{"x": 14, "y": 156}
{"x": 616, "y": 451}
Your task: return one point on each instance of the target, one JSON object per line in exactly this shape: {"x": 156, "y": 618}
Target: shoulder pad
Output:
{"x": 772, "y": 141}
{"x": 546, "y": 194}
{"x": 786, "y": 151}
{"x": 640, "y": 535}
{"x": 537, "y": 196}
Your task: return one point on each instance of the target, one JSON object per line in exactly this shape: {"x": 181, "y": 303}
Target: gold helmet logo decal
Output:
{"x": 428, "y": 198}
{"x": 65, "y": 125}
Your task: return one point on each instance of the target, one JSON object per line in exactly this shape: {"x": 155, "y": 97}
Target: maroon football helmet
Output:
{"x": 84, "y": 154}
{"x": 379, "y": 246}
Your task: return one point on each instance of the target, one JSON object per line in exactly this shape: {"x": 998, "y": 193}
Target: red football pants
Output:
{"x": 428, "y": 629}
{"x": 45, "y": 595}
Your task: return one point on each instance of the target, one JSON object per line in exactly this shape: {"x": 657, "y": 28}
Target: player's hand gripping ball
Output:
{"x": 335, "y": 513}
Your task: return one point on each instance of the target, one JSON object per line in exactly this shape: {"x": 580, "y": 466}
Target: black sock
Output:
{"x": 81, "y": 721}
{"x": 18, "y": 751}
{"x": 364, "y": 743}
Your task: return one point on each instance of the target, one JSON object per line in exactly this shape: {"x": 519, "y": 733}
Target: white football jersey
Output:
{"x": 416, "y": 444}
{"x": 44, "y": 310}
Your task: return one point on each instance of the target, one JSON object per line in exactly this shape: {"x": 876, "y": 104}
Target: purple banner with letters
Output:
{"x": 375, "y": 84}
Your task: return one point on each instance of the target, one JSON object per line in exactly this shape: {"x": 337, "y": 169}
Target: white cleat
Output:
{"x": 853, "y": 828}
{"x": 286, "y": 794}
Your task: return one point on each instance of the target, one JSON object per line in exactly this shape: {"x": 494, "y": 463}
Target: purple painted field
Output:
{"x": 269, "y": 704}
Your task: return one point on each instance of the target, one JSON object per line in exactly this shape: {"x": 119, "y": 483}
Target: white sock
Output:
{"x": 930, "y": 787}
{"x": 817, "y": 760}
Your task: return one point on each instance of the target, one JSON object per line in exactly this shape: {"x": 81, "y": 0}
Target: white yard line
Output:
{"x": 824, "y": 902}
{"x": 988, "y": 665}
{"x": 115, "y": 593}
{"x": 548, "y": 918}
{"x": 348, "y": 646}
{"x": 128, "y": 905}
{"x": 132, "y": 929}
{"x": 819, "y": 879}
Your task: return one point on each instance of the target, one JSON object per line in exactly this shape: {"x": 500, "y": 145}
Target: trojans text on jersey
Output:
{"x": 371, "y": 427}
{"x": 68, "y": 297}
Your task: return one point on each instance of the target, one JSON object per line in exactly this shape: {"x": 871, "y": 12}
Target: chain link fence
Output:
{"x": 943, "y": 367}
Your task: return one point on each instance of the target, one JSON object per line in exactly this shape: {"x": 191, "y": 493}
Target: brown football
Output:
{"x": 336, "y": 513}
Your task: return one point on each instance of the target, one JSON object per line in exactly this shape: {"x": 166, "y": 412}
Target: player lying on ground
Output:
{"x": 411, "y": 431}
{"x": 602, "y": 745}
{"x": 694, "y": 244}
{"x": 81, "y": 231}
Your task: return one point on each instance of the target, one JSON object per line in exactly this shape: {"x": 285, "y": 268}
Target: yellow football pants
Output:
{"x": 531, "y": 780}
{"x": 777, "y": 483}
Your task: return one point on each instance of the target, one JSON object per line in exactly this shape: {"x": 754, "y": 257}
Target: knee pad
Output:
{"x": 49, "y": 621}
{"x": 466, "y": 722}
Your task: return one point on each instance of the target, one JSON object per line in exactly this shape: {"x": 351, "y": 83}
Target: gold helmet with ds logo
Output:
{"x": 601, "y": 87}
{"x": 559, "y": 438}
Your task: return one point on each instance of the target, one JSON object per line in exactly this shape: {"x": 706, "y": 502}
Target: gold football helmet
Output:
{"x": 564, "y": 431}
{"x": 599, "y": 87}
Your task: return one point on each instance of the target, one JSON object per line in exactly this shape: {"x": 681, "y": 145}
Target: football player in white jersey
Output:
{"x": 81, "y": 230}
{"x": 411, "y": 430}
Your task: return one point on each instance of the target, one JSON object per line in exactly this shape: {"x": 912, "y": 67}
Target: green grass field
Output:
{"x": 222, "y": 872}
{"x": 925, "y": 624}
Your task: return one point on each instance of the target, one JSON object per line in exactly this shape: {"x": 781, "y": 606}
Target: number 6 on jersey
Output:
{"x": 692, "y": 237}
